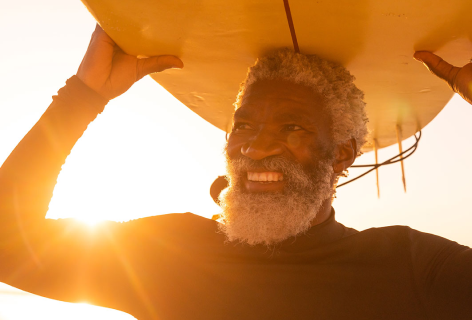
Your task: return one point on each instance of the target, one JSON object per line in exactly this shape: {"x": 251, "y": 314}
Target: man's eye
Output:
{"x": 293, "y": 127}
{"x": 241, "y": 126}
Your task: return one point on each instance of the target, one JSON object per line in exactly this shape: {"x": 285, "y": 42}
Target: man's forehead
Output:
{"x": 294, "y": 114}
{"x": 281, "y": 101}
{"x": 281, "y": 89}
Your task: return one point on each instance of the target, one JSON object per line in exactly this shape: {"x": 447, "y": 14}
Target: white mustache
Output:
{"x": 270, "y": 164}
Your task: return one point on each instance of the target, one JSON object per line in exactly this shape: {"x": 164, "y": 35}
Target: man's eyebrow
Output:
{"x": 248, "y": 113}
{"x": 243, "y": 113}
{"x": 287, "y": 117}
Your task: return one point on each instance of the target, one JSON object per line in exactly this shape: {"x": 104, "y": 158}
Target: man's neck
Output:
{"x": 323, "y": 214}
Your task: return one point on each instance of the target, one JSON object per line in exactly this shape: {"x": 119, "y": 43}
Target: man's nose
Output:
{"x": 261, "y": 146}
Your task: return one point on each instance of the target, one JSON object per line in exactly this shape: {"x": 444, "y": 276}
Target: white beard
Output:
{"x": 269, "y": 218}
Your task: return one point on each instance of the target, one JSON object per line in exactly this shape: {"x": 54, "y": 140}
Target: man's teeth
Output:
{"x": 265, "y": 176}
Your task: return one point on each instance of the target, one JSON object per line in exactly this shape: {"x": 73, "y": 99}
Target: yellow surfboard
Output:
{"x": 218, "y": 41}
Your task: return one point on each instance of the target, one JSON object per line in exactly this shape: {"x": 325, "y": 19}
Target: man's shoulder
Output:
{"x": 176, "y": 221}
{"x": 174, "y": 225}
{"x": 416, "y": 241}
{"x": 388, "y": 232}
{"x": 413, "y": 235}
{"x": 396, "y": 230}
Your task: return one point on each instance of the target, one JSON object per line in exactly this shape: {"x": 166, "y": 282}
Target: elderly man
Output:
{"x": 278, "y": 252}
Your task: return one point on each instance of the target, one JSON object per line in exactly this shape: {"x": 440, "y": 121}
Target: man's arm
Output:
{"x": 28, "y": 176}
{"x": 59, "y": 259}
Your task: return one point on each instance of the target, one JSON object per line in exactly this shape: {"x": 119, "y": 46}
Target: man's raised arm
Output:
{"x": 29, "y": 175}
{"x": 27, "y": 178}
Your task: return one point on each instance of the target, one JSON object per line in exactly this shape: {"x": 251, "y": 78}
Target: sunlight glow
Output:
{"x": 133, "y": 277}
{"x": 90, "y": 221}
{"x": 154, "y": 158}
{"x": 13, "y": 303}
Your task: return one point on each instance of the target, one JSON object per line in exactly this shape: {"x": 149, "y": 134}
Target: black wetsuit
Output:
{"x": 178, "y": 266}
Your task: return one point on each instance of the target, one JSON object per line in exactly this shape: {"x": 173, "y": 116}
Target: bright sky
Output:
{"x": 148, "y": 154}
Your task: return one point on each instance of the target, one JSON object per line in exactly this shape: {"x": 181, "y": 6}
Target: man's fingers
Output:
{"x": 157, "y": 64}
{"x": 97, "y": 63}
{"x": 101, "y": 47}
{"x": 438, "y": 66}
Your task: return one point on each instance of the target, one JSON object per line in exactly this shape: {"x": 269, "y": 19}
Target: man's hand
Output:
{"x": 110, "y": 72}
{"x": 459, "y": 79}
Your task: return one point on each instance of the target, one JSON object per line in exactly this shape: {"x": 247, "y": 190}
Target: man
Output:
{"x": 278, "y": 252}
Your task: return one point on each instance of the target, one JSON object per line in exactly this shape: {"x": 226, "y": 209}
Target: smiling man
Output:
{"x": 299, "y": 123}
{"x": 277, "y": 253}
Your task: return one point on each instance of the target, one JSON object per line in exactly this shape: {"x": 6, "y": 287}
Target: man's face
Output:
{"x": 277, "y": 118}
{"x": 279, "y": 163}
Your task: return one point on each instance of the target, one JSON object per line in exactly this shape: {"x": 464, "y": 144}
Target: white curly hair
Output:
{"x": 344, "y": 104}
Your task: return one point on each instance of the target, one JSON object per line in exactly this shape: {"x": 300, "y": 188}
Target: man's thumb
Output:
{"x": 438, "y": 66}
{"x": 157, "y": 64}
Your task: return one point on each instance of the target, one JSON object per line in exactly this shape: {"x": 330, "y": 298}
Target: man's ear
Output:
{"x": 344, "y": 155}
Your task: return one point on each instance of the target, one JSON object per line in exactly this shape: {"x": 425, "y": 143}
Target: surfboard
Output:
{"x": 375, "y": 40}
